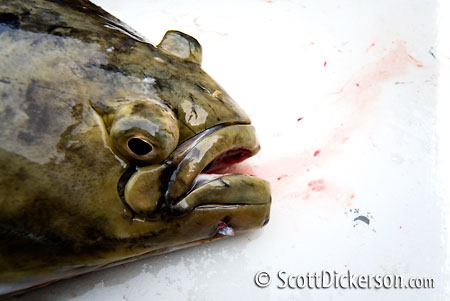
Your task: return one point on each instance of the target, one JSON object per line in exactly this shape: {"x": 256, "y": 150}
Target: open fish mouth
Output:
{"x": 193, "y": 183}
{"x": 197, "y": 179}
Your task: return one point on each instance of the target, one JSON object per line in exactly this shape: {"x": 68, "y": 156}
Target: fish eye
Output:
{"x": 144, "y": 131}
{"x": 139, "y": 146}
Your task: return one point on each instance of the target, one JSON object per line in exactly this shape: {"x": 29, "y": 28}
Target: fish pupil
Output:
{"x": 139, "y": 146}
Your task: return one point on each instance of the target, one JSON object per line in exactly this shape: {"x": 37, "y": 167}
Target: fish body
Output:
{"x": 108, "y": 145}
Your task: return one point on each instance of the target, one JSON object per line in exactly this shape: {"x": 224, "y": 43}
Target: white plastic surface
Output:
{"x": 349, "y": 100}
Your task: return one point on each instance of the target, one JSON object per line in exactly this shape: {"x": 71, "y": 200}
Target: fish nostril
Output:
{"x": 139, "y": 147}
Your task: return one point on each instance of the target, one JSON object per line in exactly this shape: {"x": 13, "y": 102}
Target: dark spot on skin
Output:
{"x": 194, "y": 107}
{"x": 77, "y": 111}
{"x": 20, "y": 239}
{"x": 60, "y": 30}
{"x": 93, "y": 234}
{"x": 37, "y": 111}
{"x": 60, "y": 2}
{"x": 8, "y": 113}
{"x": 162, "y": 85}
{"x": 201, "y": 88}
{"x": 26, "y": 137}
{"x": 162, "y": 231}
{"x": 113, "y": 68}
{"x": 11, "y": 20}
{"x": 39, "y": 119}
{"x": 137, "y": 108}
{"x": 20, "y": 173}
{"x": 226, "y": 219}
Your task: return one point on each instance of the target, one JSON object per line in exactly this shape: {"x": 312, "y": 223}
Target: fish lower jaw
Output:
{"x": 224, "y": 190}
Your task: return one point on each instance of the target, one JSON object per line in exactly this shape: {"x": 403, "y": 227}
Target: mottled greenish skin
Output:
{"x": 76, "y": 86}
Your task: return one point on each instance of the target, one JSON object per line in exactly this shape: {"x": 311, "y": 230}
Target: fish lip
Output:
{"x": 192, "y": 158}
{"x": 225, "y": 190}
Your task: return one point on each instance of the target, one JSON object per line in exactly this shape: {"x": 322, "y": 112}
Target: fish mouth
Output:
{"x": 197, "y": 178}
{"x": 200, "y": 177}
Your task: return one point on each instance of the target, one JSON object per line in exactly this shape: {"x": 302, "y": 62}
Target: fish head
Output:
{"x": 178, "y": 141}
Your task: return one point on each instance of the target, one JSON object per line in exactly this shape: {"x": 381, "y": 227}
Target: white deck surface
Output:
{"x": 370, "y": 81}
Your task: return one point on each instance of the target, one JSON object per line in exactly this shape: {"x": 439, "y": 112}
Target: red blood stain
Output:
{"x": 317, "y": 185}
{"x": 281, "y": 177}
{"x": 356, "y": 105}
{"x": 352, "y": 196}
{"x": 316, "y": 182}
{"x": 418, "y": 63}
{"x": 299, "y": 118}
{"x": 371, "y": 45}
{"x": 318, "y": 188}
{"x": 325, "y": 64}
